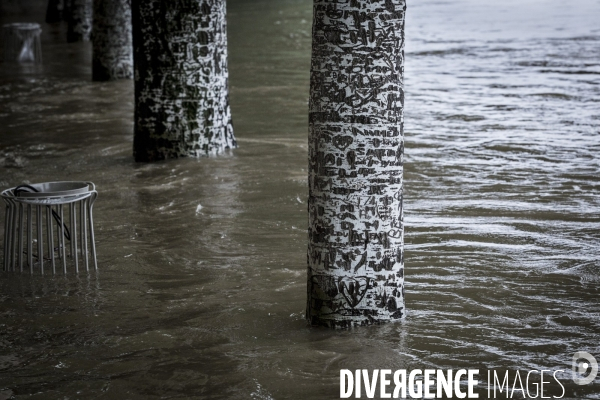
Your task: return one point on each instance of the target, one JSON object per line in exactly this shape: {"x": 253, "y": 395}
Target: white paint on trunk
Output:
{"x": 355, "y": 252}
{"x": 181, "y": 79}
{"x": 111, "y": 40}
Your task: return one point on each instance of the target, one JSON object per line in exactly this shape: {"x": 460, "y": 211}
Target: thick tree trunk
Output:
{"x": 181, "y": 79}
{"x": 356, "y": 146}
{"x": 79, "y": 20}
{"x": 54, "y": 11}
{"x": 111, "y": 40}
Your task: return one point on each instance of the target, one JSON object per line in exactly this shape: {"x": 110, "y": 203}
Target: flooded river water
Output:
{"x": 201, "y": 286}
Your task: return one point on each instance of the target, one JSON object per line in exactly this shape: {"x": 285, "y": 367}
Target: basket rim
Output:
{"x": 52, "y": 189}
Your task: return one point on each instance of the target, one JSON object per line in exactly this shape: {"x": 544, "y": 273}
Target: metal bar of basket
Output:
{"x": 8, "y": 248}
{"x": 13, "y": 233}
{"x": 40, "y": 243}
{"x": 29, "y": 238}
{"x": 58, "y": 232}
{"x": 62, "y": 238}
{"x": 85, "y": 203}
{"x": 80, "y": 227}
{"x": 12, "y": 249}
{"x": 17, "y": 223}
{"x": 74, "y": 236}
{"x": 91, "y": 225}
{"x": 52, "y": 258}
{"x": 11, "y": 226}
{"x": 48, "y": 230}
{"x": 21, "y": 227}
{"x": 9, "y": 236}
{"x": 6, "y": 236}
{"x": 50, "y": 236}
{"x": 17, "y": 239}
{"x": 84, "y": 247}
{"x": 71, "y": 229}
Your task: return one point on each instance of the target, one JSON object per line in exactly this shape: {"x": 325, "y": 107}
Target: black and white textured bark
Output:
{"x": 111, "y": 40}
{"x": 356, "y": 146}
{"x": 181, "y": 79}
{"x": 54, "y": 11}
{"x": 79, "y": 20}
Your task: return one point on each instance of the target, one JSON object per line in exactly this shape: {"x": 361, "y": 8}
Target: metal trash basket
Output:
{"x": 26, "y": 226}
{"x": 22, "y": 42}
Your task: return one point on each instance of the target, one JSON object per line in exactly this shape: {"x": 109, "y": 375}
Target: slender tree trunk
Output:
{"x": 54, "y": 11}
{"x": 356, "y": 146}
{"x": 111, "y": 40}
{"x": 79, "y": 20}
{"x": 181, "y": 79}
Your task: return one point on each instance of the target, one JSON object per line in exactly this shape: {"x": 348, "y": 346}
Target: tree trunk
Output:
{"x": 111, "y": 40}
{"x": 181, "y": 79}
{"x": 356, "y": 146}
{"x": 54, "y": 11}
{"x": 79, "y": 20}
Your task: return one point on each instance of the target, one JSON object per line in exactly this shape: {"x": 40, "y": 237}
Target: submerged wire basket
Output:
{"x": 22, "y": 42}
{"x": 42, "y": 218}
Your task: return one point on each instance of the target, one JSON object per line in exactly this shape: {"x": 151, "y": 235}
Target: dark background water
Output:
{"x": 201, "y": 288}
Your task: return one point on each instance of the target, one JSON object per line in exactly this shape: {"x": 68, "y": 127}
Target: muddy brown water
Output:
{"x": 202, "y": 282}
